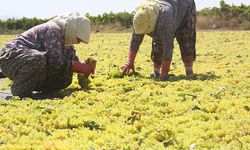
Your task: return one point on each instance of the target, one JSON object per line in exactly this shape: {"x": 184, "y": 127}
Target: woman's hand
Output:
{"x": 129, "y": 65}
{"x": 83, "y": 68}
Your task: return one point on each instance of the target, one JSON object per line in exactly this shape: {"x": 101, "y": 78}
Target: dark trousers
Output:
{"x": 186, "y": 38}
{"x": 30, "y": 72}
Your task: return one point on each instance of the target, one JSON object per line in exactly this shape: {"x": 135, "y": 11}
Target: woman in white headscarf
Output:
{"x": 163, "y": 20}
{"x": 43, "y": 58}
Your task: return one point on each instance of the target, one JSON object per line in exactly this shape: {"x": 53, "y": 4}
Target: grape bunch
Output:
{"x": 83, "y": 80}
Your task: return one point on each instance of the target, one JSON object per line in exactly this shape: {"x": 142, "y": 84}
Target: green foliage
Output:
{"x": 20, "y": 24}
{"x": 208, "y": 111}
{"x": 226, "y": 17}
{"x": 124, "y": 18}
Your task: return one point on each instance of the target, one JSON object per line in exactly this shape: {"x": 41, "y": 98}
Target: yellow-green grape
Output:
{"x": 83, "y": 81}
{"x": 115, "y": 74}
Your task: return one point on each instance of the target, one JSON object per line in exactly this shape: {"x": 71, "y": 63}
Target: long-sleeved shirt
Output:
{"x": 48, "y": 38}
{"x": 170, "y": 19}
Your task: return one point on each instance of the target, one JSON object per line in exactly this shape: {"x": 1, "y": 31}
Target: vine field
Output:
{"x": 210, "y": 110}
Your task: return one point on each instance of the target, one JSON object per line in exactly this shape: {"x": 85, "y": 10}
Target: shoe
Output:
{"x": 155, "y": 75}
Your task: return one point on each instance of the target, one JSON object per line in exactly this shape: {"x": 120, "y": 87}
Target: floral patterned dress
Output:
{"x": 38, "y": 60}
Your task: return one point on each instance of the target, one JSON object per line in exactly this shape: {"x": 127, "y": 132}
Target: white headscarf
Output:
{"x": 75, "y": 26}
{"x": 146, "y": 16}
